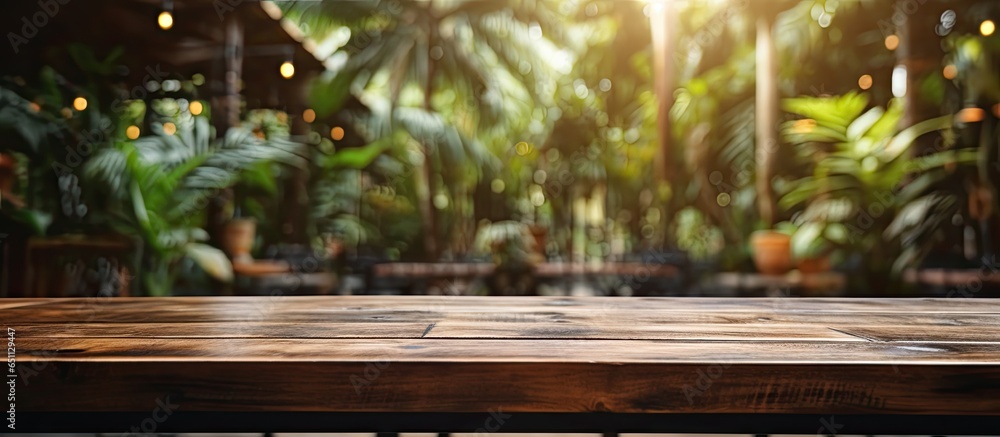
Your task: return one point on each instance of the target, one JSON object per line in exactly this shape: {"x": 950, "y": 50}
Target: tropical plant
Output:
{"x": 37, "y": 125}
{"x": 713, "y": 113}
{"x": 945, "y": 201}
{"x": 161, "y": 183}
{"x": 446, "y": 68}
{"x": 510, "y": 243}
{"x": 334, "y": 193}
{"x": 859, "y": 163}
{"x": 30, "y": 134}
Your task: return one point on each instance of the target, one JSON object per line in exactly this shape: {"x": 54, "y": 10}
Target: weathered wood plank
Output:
{"x": 487, "y": 327}
{"x": 461, "y": 351}
{"x": 15, "y": 303}
{"x": 429, "y": 309}
{"x": 926, "y": 334}
{"x": 416, "y": 386}
{"x": 320, "y": 304}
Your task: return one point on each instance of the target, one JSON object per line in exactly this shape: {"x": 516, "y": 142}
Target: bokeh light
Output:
{"x": 132, "y": 132}
{"x": 950, "y": 71}
{"x": 165, "y": 20}
{"x": 987, "y": 27}
{"x": 523, "y": 148}
{"x": 899, "y": 75}
{"x": 196, "y": 108}
{"x": 308, "y": 116}
{"x": 337, "y": 133}
{"x": 865, "y": 81}
{"x": 441, "y": 201}
{"x": 169, "y": 128}
{"x": 79, "y": 103}
{"x": 892, "y": 42}
{"x": 287, "y": 70}
{"x": 723, "y": 199}
{"x": 971, "y": 115}
{"x": 498, "y": 186}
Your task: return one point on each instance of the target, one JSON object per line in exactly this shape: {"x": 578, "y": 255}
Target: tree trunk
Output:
{"x": 662, "y": 23}
{"x": 426, "y": 173}
{"x": 767, "y": 117}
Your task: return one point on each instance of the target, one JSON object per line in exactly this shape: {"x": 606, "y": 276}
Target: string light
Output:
{"x": 337, "y": 133}
{"x": 79, "y": 103}
{"x": 971, "y": 115}
{"x": 308, "y": 116}
{"x": 865, "y": 81}
{"x": 891, "y": 42}
{"x": 166, "y": 17}
{"x": 987, "y": 27}
{"x": 132, "y": 132}
{"x": 165, "y": 20}
{"x": 195, "y": 107}
{"x": 287, "y": 69}
{"x": 950, "y": 71}
{"x": 169, "y": 128}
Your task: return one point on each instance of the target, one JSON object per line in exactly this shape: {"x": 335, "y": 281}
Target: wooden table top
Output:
{"x": 445, "y": 354}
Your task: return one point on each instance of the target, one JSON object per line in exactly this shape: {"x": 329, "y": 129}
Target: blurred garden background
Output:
{"x": 608, "y": 147}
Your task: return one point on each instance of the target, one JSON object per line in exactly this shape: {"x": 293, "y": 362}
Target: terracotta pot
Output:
{"x": 772, "y": 252}
{"x": 814, "y": 265}
{"x": 238, "y": 237}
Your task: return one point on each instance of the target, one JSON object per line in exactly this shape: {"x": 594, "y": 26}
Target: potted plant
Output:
{"x": 771, "y": 251}
{"x": 858, "y": 161}
{"x": 811, "y": 245}
{"x": 160, "y": 184}
{"x": 514, "y": 253}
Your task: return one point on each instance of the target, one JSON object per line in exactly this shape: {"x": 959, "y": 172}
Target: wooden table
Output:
{"x": 506, "y": 364}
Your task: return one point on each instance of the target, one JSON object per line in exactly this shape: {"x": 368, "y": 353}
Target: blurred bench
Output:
{"x": 418, "y": 275}
{"x": 69, "y": 265}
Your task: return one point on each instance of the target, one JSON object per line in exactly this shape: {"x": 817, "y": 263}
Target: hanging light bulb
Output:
{"x": 986, "y": 28}
{"x": 166, "y": 18}
{"x": 287, "y": 69}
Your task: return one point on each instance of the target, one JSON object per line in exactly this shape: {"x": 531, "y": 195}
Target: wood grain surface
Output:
{"x": 449, "y": 354}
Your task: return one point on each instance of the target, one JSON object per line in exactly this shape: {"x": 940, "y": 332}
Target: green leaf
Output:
{"x": 213, "y": 261}
{"x": 37, "y": 221}
{"x": 807, "y": 240}
{"x": 357, "y": 157}
{"x": 901, "y": 142}
{"x": 330, "y": 92}
{"x": 862, "y": 124}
